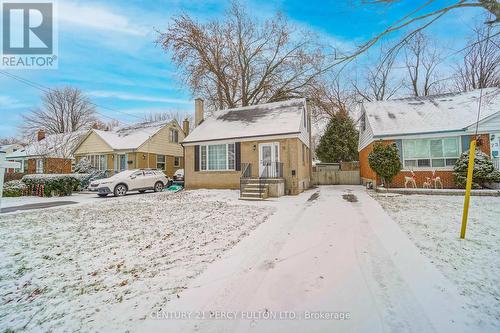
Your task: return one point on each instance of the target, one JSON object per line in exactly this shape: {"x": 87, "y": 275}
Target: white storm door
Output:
{"x": 268, "y": 159}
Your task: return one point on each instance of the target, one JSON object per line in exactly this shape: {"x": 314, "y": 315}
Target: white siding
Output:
{"x": 304, "y": 131}
{"x": 491, "y": 124}
{"x": 366, "y": 136}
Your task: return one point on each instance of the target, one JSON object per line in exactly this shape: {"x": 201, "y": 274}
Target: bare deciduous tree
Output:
{"x": 330, "y": 96}
{"x": 422, "y": 17}
{"x": 63, "y": 110}
{"x": 105, "y": 126}
{"x": 8, "y": 140}
{"x": 241, "y": 61}
{"x": 422, "y": 59}
{"x": 167, "y": 116}
{"x": 481, "y": 63}
{"x": 379, "y": 83}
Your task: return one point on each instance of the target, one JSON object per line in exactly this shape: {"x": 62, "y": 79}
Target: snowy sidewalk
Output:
{"x": 327, "y": 255}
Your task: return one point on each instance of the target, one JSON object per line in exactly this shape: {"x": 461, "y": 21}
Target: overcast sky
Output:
{"x": 107, "y": 49}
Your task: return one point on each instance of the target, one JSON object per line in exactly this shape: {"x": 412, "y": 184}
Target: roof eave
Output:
{"x": 241, "y": 137}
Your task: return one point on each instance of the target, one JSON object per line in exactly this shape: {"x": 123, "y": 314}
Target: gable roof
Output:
{"x": 133, "y": 136}
{"x": 54, "y": 145}
{"x": 269, "y": 119}
{"x": 440, "y": 113}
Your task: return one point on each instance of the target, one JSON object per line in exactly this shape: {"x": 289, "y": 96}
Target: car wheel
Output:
{"x": 120, "y": 190}
{"x": 142, "y": 191}
{"x": 102, "y": 195}
{"x": 159, "y": 187}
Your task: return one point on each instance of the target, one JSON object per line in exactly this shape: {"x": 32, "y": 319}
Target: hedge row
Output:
{"x": 53, "y": 184}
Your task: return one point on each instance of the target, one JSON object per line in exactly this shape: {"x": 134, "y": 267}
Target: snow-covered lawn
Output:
{"x": 107, "y": 264}
{"x": 433, "y": 224}
{"x": 27, "y": 200}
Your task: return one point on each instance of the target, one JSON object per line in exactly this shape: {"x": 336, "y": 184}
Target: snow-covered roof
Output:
{"x": 8, "y": 148}
{"x": 440, "y": 113}
{"x": 133, "y": 136}
{"x": 53, "y": 145}
{"x": 251, "y": 121}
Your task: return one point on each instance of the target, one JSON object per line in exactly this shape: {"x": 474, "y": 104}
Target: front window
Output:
{"x": 97, "y": 162}
{"x": 427, "y": 153}
{"x": 174, "y": 135}
{"x": 217, "y": 157}
{"x": 39, "y": 166}
{"x": 160, "y": 162}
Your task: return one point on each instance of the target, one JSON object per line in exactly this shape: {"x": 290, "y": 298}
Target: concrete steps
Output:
{"x": 254, "y": 191}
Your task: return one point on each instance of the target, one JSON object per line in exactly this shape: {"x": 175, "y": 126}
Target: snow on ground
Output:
{"x": 107, "y": 264}
{"x": 433, "y": 224}
{"x": 25, "y": 200}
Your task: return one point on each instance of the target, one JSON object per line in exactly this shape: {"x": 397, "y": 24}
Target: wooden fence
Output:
{"x": 336, "y": 177}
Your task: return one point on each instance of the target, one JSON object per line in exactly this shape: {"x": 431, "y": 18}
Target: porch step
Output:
{"x": 254, "y": 191}
{"x": 252, "y": 198}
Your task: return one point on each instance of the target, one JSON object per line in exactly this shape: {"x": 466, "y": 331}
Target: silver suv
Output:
{"x": 130, "y": 180}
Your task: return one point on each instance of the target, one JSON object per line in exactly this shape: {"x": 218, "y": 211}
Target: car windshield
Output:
{"x": 125, "y": 173}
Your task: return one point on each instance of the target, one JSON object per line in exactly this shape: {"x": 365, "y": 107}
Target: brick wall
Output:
{"x": 367, "y": 174}
{"x": 290, "y": 155}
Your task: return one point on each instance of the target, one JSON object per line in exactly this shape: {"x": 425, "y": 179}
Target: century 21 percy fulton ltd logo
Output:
{"x": 28, "y": 35}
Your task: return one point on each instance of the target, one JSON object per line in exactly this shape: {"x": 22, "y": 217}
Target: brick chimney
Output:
{"x": 40, "y": 135}
{"x": 185, "y": 127}
{"x": 198, "y": 111}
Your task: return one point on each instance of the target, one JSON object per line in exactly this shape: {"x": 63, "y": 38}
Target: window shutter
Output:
{"x": 466, "y": 142}
{"x": 196, "y": 158}
{"x": 399, "y": 144}
{"x": 237, "y": 152}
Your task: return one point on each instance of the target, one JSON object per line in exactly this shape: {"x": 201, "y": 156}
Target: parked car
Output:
{"x": 130, "y": 180}
{"x": 179, "y": 175}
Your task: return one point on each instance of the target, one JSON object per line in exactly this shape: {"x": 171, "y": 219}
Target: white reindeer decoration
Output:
{"x": 411, "y": 180}
{"x": 427, "y": 183}
{"x": 436, "y": 180}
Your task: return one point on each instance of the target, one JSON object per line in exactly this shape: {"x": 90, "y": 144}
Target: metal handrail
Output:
{"x": 496, "y": 162}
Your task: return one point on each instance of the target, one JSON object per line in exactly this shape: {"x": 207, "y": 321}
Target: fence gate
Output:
{"x": 336, "y": 177}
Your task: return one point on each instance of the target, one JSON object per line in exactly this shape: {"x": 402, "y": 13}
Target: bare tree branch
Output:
{"x": 63, "y": 110}
{"x": 481, "y": 63}
{"x": 240, "y": 61}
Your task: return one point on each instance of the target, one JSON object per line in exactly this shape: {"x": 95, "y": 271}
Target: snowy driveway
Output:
{"x": 325, "y": 255}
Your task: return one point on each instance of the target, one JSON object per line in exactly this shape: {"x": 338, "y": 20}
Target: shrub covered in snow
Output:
{"x": 384, "y": 160}
{"x": 54, "y": 184}
{"x": 484, "y": 171}
{"x": 13, "y": 188}
{"x": 86, "y": 173}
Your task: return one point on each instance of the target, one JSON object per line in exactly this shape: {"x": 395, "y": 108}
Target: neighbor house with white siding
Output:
{"x": 154, "y": 145}
{"x": 430, "y": 132}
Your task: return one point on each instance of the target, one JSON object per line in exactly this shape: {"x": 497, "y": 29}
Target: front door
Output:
{"x": 269, "y": 159}
{"x": 122, "y": 162}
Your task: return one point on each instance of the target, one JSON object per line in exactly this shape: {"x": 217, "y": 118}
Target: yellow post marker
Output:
{"x": 470, "y": 169}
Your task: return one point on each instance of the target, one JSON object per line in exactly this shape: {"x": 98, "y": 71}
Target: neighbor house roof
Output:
{"x": 272, "y": 119}
{"x": 440, "y": 113}
{"x": 133, "y": 136}
{"x": 53, "y": 145}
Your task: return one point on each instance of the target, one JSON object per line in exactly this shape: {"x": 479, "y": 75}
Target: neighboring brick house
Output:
{"x": 152, "y": 145}
{"x": 430, "y": 132}
{"x": 267, "y": 144}
{"x": 47, "y": 153}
